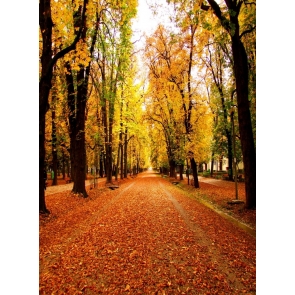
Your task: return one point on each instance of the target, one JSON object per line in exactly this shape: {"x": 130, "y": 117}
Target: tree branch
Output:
{"x": 248, "y": 31}
{"x": 71, "y": 47}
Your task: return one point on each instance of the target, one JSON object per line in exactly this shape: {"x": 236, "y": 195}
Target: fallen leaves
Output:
{"x": 137, "y": 242}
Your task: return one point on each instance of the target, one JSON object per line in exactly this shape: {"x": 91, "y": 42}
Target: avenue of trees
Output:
{"x": 196, "y": 104}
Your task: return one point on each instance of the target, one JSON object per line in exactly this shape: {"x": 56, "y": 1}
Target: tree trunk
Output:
{"x": 53, "y": 138}
{"x": 244, "y": 118}
{"x": 101, "y": 165}
{"x": 195, "y": 172}
{"x": 71, "y": 100}
{"x": 125, "y": 152}
{"x": 172, "y": 166}
{"x": 47, "y": 63}
{"x": 46, "y": 25}
{"x": 242, "y": 79}
{"x": 181, "y": 167}
{"x": 77, "y": 116}
{"x": 63, "y": 166}
{"x": 77, "y": 107}
{"x": 118, "y": 161}
{"x": 108, "y": 167}
{"x": 229, "y": 154}
{"x": 212, "y": 165}
{"x": 122, "y": 161}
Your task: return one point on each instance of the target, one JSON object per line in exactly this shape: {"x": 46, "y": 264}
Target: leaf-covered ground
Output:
{"x": 219, "y": 193}
{"x": 147, "y": 237}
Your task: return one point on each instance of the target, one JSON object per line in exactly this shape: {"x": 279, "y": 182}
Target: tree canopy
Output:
{"x": 99, "y": 110}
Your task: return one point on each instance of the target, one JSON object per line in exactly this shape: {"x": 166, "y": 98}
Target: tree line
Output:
{"x": 201, "y": 96}
{"x": 199, "y": 99}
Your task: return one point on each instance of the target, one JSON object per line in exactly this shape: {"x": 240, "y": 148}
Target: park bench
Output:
{"x": 112, "y": 186}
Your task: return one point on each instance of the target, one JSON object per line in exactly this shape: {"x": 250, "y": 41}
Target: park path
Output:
{"x": 147, "y": 237}
{"x": 53, "y": 189}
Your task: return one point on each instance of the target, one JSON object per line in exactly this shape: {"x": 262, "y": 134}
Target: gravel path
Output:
{"x": 147, "y": 237}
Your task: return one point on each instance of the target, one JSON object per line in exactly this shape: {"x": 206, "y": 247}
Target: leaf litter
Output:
{"x": 147, "y": 237}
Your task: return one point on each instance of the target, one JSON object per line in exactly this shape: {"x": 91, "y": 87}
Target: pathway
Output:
{"x": 147, "y": 237}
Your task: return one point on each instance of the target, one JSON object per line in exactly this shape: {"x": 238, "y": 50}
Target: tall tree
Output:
{"x": 174, "y": 102}
{"x": 77, "y": 100}
{"x": 47, "y": 62}
{"x": 216, "y": 63}
{"x": 113, "y": 54}
{"x": 229, "y": 18}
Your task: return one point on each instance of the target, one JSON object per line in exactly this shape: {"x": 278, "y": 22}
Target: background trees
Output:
{"x": 237, "y": 18}
{"x": 105, "y": 116}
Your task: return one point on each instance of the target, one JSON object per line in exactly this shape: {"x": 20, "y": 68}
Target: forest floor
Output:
{"x": 149, "y": 236}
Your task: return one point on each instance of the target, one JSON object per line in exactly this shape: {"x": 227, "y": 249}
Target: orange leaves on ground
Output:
{"x": 136, "y": 241}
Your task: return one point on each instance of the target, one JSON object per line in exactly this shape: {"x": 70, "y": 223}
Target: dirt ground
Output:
{"x": 149, "y": 236}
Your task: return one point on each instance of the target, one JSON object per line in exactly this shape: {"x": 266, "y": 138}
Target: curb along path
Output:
{"x": 147, "y": 237}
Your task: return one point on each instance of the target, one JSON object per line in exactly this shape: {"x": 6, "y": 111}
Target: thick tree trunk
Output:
{"x": 47, "y": 63}
{"x": 77, "y": 126}
{"x": 79, "y": 138}
{"x": 245, "y": 125}
{"x": 172, "y": 166}
{"x": 46, "y": 24}
{"x": 242, "y": 80}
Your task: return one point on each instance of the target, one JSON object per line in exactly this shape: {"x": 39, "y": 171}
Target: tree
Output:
{"x": 47, "y": 62}
{"x": 113, "y": 57}
{"x": 77, "y": 99}
{"x": 217, "y": 65}
{"x": 173, "y": 100}
{"x": 229, "y": 18}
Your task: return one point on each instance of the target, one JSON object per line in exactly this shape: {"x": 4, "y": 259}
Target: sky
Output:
{"x": 145, "y": 21}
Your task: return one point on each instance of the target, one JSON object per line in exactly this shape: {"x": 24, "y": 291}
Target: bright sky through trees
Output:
{"x": 145, "y": 24}
{"x": 145, "y": 21}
